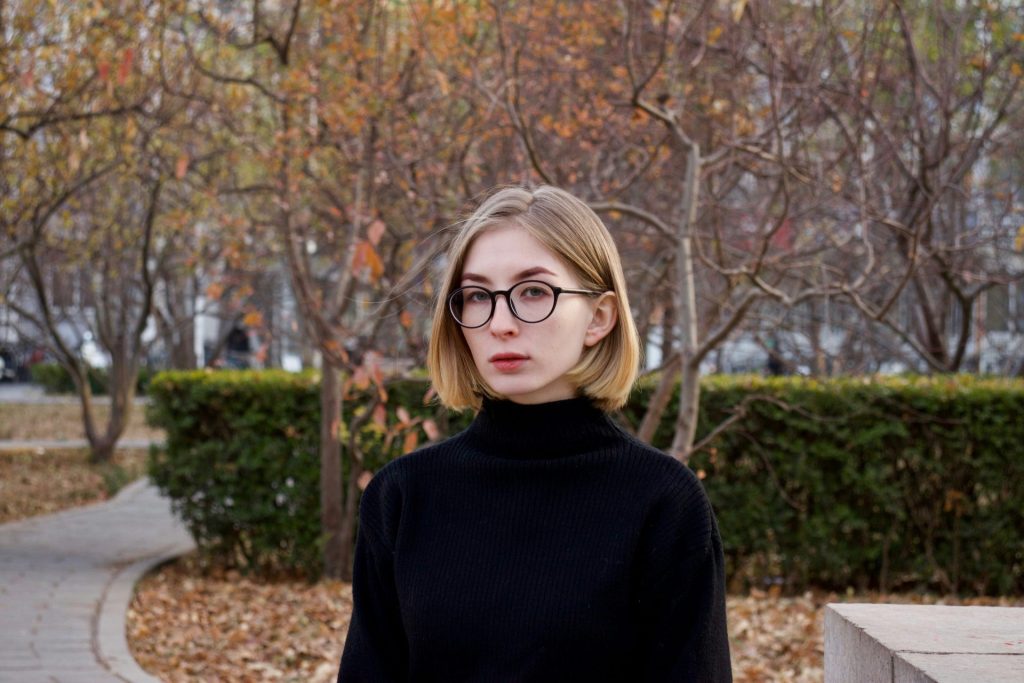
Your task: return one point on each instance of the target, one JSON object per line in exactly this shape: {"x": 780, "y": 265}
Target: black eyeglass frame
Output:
{"x": 558, "y": 291}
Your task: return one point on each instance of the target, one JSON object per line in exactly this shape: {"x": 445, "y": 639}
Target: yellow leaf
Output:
{"x": 253, "y": 319}
{"x": 737, "y": 9}
{"x": 1017, "y": 70}
{"x": 1018, "y": 244}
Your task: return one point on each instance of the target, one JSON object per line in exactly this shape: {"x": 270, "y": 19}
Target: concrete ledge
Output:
{"x": 923, "y": 644}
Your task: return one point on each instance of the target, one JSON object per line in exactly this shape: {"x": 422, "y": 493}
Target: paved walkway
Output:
{"x": 66, "y": 580}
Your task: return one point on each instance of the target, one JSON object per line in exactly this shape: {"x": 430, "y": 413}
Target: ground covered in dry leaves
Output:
{"x": 27, "y": 421}
{"x": 225, "y": 627}
{"x": 39, "y": 481}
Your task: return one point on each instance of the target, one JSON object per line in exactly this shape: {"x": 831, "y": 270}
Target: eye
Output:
{"x": 476, "y": 296}
{"x": 535, "y": 292}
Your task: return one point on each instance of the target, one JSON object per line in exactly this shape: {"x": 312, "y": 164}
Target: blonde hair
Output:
{"x": 569, "y": 228}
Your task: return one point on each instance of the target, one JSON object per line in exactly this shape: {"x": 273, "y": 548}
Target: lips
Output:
{"x": 508, "y": 362}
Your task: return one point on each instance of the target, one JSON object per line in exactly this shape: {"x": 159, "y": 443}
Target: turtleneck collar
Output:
{"x": 541, "y": 431}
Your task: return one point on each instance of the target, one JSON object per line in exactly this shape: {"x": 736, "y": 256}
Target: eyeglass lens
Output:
{"x": 530, "y": 302}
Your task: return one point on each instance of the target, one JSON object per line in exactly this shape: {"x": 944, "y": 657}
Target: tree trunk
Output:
{"x": 686, "y": 417}
{"x": 659, "y": 400}
{"x": 685, "y": 302}
{"x": 348, "y": 522}
{"x": 330, "y": 473}
{"x": 123, "y": 376}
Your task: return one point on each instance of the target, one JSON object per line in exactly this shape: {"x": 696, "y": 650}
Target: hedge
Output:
{"x": 892, "y": 484}
{"x": 241, "y": 461}
{"x": 55, "y": 379}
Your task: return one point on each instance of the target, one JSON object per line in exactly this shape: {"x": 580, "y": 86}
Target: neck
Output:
{"x": 541, "y": 431}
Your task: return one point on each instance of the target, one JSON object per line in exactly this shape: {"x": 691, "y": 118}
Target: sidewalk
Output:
{"x": 66, "y": 580}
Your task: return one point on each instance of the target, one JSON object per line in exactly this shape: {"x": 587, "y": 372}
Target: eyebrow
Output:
{"x": 529, "y": 272}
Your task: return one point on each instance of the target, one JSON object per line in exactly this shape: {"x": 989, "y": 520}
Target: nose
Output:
{"x": 503, "y": 323}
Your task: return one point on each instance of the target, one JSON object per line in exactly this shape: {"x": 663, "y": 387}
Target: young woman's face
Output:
{"x": 528, "y": 362}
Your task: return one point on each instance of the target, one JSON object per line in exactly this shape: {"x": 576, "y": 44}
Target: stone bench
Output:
{"x": 923, "y": 644}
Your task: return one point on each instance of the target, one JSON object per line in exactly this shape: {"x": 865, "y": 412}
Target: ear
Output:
{"x": 603, "y": 320}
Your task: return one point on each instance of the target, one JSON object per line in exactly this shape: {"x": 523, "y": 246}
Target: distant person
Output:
{"x": 543, "y": 543}
{"x": 238, "y": 347}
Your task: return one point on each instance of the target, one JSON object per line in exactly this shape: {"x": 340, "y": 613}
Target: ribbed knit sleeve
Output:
{"x": 680, "y": 584}
{"x": 376, "y": 648}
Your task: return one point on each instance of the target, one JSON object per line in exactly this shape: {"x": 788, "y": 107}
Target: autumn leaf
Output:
{"x": 737, "y": 9}
{"x": 380, "y": 415}
{"x": 375, "y": 232}
{"x": 1018, "y": 244}
{"x": 125, "y": 67}
{"x": 405, "y": 318}
{"x": 214, "y": 291}
{"x": 431, "y": 430}
{"x": 253, "y": 319}
{"x": 403, "y": 415}
{"x": 181, "y": 167}
{"x": 364, "y": 480}
{"x": 410, "y": 442}
{"x": 361, "y": 379}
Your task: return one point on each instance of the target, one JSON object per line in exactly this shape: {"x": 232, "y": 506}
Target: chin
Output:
{"x": 522, "y": 390}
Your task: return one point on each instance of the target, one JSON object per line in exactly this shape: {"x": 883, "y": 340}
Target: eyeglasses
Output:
{"x": 530, "y": 301}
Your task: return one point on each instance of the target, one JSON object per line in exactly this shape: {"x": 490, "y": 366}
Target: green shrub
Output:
{"x": 885, "y": 483}
{"x": 911, "y": 483}
{"x": 56, "y": 380}
{"x": 241, "y": 460}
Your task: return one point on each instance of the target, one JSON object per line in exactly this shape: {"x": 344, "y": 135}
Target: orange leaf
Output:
{"x": 104, "y": 70}
{"x": 361, "y": 379}
{"x": 215, "y": 291}
{"x": 253, "y": 319}
{"x": 405, "y": 318}
{"x": 126, "y": 66}
{"x": 364, "y": 480}
{"x": 411, "y": 440}
{"x": 378, "y": 379}
{"x": 380, "y": 415}
{"x": 181, "y": 167}
{"x": 403, "y": 415}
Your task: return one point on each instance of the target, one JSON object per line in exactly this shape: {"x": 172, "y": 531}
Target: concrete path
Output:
{"x": 33, "y": 393}
{"x": 66, "y": 580}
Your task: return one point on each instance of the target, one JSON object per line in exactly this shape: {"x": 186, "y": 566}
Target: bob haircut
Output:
{"x": 569, "y": 228}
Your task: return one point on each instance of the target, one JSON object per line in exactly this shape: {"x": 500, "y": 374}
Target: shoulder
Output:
{"x": 669, "y": 476}
{"x": 676, "y": 502}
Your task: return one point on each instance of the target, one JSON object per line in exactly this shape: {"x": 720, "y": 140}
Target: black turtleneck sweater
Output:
{"x": 541, "y": 544}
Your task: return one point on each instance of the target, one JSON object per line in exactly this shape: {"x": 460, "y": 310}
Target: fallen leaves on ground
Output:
{"x": 226, "y": 627}
{"x": 28, "y": 421}
{"x": 183, "y": 626}
{"x": 41, "y": 481}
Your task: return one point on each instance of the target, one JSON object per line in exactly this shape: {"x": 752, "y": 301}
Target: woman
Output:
{"x": 543, "y": 543}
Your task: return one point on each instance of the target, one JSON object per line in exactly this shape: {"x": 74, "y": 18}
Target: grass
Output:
{"x": 26, "y": 421}
{"x": 39, "y": 482}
